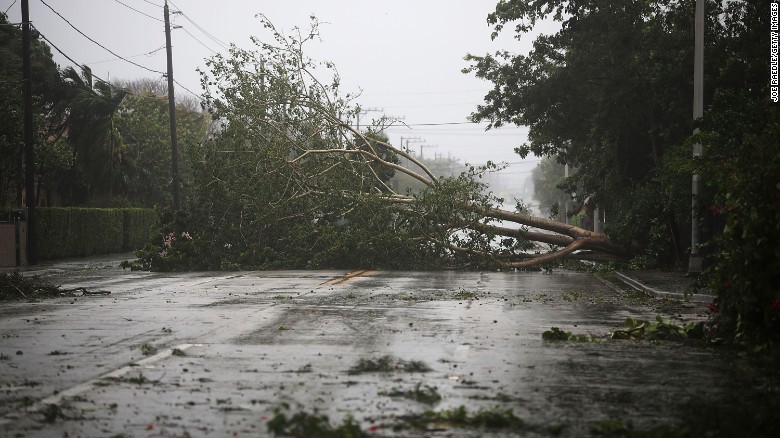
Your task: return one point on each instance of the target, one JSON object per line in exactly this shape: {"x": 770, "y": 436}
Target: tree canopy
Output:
{"x": 96, "y": 143}
{"x": 610, "y": 94}
{"x": 44, "y": 84}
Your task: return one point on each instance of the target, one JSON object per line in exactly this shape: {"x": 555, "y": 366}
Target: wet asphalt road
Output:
{"x": 212, "y": 354}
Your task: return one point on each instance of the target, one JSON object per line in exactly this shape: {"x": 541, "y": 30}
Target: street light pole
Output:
{"x": 695, "y": 265}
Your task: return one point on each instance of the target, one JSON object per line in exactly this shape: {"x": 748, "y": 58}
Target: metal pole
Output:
{"x": 695, "y": 262}
{"x": 566, "y": 196}
{"x": 597, "y": 224}
{"x": 172, "y": 113}
{"x": 29, "y": 149}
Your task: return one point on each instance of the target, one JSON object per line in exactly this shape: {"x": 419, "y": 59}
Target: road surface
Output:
{"x": 220, "y": 354}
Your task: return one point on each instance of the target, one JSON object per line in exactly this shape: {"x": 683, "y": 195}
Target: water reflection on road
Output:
{"x": 257, "y": 339}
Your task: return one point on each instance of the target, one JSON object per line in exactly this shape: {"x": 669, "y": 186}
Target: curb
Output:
{"x": 69, "y": 264}
{"x": 659, "y": 294}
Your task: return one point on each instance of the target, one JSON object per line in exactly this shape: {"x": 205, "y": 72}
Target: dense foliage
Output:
{"x": 610, "y": 93}
{"x": 44, "y": 84}
{"x": 96, "y": 143}
{"x": 744, "y": 167}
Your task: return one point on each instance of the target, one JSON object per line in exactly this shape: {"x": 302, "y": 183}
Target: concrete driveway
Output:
{"x": 220, "y": 354}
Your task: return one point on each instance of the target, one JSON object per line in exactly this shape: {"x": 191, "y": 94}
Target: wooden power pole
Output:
{"x": 172, "y": 113}
{"x": 29, "y": 146}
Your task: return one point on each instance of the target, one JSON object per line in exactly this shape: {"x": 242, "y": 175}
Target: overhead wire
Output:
{"x": 76, "y": 63}
{"x": 424, "y": 92}
{"x": 118, "y": 56}
{"x": 140, "y": 12}
{"x": 61, "y": 52}
{"x": 9, "y": 8}
{"x": 188, "y": 90}
{"x": 102, "y": 46}
{"x": 152, "y": 52}
{"x": 200, "y": 28}
{"x": 196, "y": 39}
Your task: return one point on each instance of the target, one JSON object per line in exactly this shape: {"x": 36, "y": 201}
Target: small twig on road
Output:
{"x": 20, "y": 291}
{"x": 84, "y": 291}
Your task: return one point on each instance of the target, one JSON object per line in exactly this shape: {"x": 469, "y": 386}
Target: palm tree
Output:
{"x": 88, "y": 124}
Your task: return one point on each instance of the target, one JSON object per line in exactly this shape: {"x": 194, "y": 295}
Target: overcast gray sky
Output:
{"x": 405, "y": 55}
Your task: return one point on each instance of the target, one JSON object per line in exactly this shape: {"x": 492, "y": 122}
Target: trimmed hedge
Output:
{"x": 137, "y": 227}
{"x": 78, "y": 232}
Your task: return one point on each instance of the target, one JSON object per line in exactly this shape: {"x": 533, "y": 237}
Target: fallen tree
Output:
{"x": 558, "y": 234}
{"x": 287, "y": 181}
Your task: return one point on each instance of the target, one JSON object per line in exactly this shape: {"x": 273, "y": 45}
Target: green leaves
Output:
{"x": 659, "y": 330}
{"x": 557, "y": 334}
{"x": 638, "y": 329}
{"x": 604, "y": 93}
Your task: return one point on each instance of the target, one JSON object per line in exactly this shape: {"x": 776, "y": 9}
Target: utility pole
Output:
{"x": 425, "y": 146}
{"x": 172, "y": 113}
{"x": 29, "y": 149}
{"x": 410, "y": 139}
{"x": 362, "y": 111}
{"x": 695, "y": 265}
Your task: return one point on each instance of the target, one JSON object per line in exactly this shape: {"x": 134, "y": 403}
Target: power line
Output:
{"x": 200, "y": 28}
{"x": 82, "y": 65}
{"x": 199, "y": 41}
{"x": 432, "y": 124}
{"x": 136, "y": 10}
{"x": 153, "y": 3}
{"x": 442, "y": 124}
{"x": 102, "y": 46}
{"x": 188, "y": 90}
{"x": 61, "y": 52}
{"x": 423, "y": 92}
{"x": 133, "y": 56}
{"x": 9, "y": 8}
{"x": 433, "y": 105}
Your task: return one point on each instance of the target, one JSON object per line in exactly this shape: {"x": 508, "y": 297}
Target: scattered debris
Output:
{"x": 495, "y": 418}
{"x": 660, "y": 330}
{"x": 146, "y": 349}
{"x": 14, "y": 286}
{"x": 556, "y": 334}
{"x": 424, "y": 394}
{"x": 386, "y": 364}
{"x": 303, "y": 424}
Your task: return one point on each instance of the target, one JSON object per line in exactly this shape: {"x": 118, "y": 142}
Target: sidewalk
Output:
{"x": 104, "y": 261}
{"x": 663, "y": 284}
